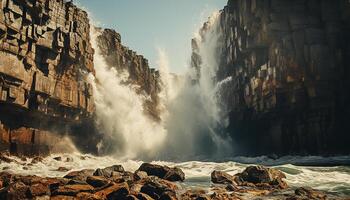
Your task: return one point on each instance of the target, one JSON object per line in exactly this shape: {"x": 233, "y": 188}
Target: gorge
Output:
{"x": 267, "y": 84}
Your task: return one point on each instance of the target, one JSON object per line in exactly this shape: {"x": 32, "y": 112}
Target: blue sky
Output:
{"x": 146, "y": 25}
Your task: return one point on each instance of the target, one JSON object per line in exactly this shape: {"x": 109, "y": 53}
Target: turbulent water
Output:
{"x": 331, "y": 179}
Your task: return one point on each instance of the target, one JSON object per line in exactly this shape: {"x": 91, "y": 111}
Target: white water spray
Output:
{"x": 192, "y": 123}
{"x": 194, "y": 119}
{"x": 128, "y": 131}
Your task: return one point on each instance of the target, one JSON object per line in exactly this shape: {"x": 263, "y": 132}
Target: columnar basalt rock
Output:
{"x": 45, "y": 54}
{"x": 289, "y": 66}
{"x": 140, "y": 74}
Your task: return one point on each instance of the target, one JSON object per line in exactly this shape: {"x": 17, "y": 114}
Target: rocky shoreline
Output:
{"x": 150, "y": 181}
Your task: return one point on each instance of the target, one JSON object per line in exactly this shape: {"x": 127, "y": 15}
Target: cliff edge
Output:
{"x": 288, "y": 61}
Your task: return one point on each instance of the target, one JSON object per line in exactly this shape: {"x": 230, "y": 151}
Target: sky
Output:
{"x": 149, "y": 25}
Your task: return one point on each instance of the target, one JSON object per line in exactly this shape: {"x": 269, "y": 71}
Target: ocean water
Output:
{"x": 331, "y": 174}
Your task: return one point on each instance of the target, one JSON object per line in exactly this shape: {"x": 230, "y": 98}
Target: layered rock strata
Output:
{"x": 289, "y": 70}
{"x": 140, "y": 73}
{"x": 45, "y": 54}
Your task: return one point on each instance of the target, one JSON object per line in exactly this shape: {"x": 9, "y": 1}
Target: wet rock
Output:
{"x": 25, "y": 168}
{"x": 224, "y": 196}
{"x": 69, "y": 159}
{"x": 72, "y": 190}
{"x": 76, "y": 182}
{"x": 195, "y": 194}
{"x": 62, "y": 197}
{"x": 107, "y": 172}
{"x": 16, "y": 190}
{"x": 80, "y": 175}
{"x": 88, "y": 196}
{"x": 63, "y": 169}
{"x": 4, "y": 157}
{"x": 131, "y": 197}
{"x": 220, "y": 177}
{"x": 169, "y": 195}
{"x": 97, "y": 181}
{"x": 6, "y": 168}
{"x": 138, "y": 175}
{"x": 115, "y": 191}
{"x": 59, "y": 158}
{"x": 142, "y": 196}
{"x": 304, "y": 193}
{"x": 156, "y": 187}
{"x": 39, "y": 189}
{"x": 37, "y": 160}
{"x": 263, "y": 176}
{"x": 164, "y": 172}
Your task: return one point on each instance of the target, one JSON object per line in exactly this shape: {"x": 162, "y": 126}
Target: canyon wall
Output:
{"x": 45, "y": 57}
{"x": 146, "y": 79}
{"x": 288, "y": 66}
{"x": 45, "y": 54}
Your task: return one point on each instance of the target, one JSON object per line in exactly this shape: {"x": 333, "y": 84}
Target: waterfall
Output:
{"x": 195, "y": 124}
{"x": 128, "y": 132}
{"x": 192, "y": 124}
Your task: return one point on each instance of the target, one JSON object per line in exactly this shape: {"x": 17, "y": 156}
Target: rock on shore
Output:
{"x": 152, "y": 182}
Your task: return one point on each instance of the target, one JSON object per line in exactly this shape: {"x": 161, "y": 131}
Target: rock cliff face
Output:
{"x": 289, "y": 65}
{"x": 140, "y": 74}
{"x": 45, "y": 53}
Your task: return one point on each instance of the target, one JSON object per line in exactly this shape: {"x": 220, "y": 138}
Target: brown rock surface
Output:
{"x": 164, "y": 172}
{"x": 45, "y": 52}
{"x": 220, "y": 177}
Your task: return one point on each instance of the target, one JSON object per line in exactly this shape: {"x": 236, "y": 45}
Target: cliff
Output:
{"x": 140, "y": 74}
{"x": 45, "y": 53}
{"x": 289, "y": 64}
{"x": 45, "y": 57}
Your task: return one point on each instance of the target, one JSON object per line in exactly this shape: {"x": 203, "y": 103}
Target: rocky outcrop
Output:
{"x": 45, "y": 54}
{"x": 121, "y": 185}
{"x": 287, "y": 62}
{"x": 258, "y": 177}
{"x": 163, "y": 172}
{"x": 140, "y": 74}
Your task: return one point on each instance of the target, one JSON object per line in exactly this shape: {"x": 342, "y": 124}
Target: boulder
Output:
{"x": 115, "y": 191}
{"x": 263, "y": 175}
{"x": 72, "y": 190}
{"x": 169, "y": 195}
{"x": 37, "y": 160}
{"x": 6, "y": 158}
{"x": 156, "y": 187}
{"x": 39, "y": 189}
{"x": 308, "y": 193}
{"x": 97, "y": 181}
{"x": 138, "y": 175}
{"x": 163, "y": 172}
{"x": 17, "y": 190}
{"x": 107, "y": 172}
{"x": 220, "y": 177}
{"x": 195, "y": 194}
{"x": 79, "y": 175}
{"x": 142, "y": 196}
{"x": 88, "y": 196}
